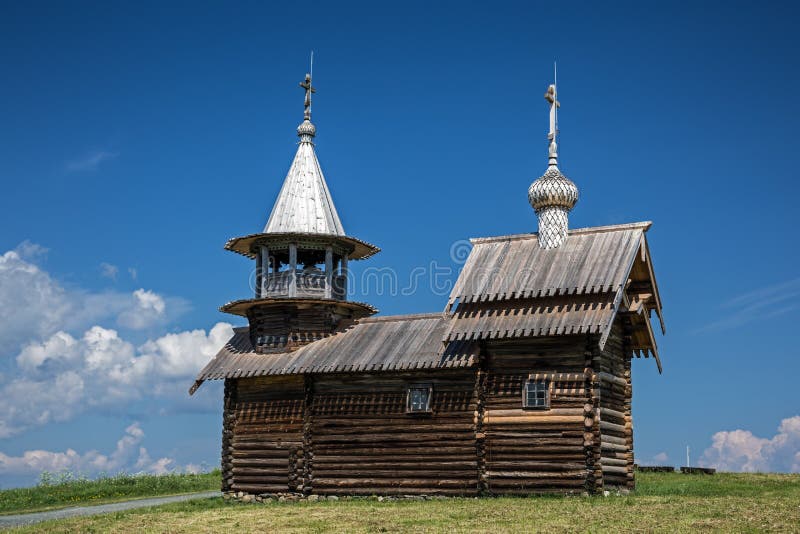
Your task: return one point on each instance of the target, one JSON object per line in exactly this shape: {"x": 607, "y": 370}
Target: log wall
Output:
{"x": 350, "y": 433}
{"x": 613, "y": 369}
{"x": 265, "y": 450}
{"x": 364, "y": 442}
{"x": 535, "y": 450}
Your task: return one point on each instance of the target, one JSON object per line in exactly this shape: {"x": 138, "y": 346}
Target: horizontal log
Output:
{"x": 615, "y": 439}
{"x": 611, "y": 379}
{"x": 410, "y": 426}
{"x": 362, "y": 490}
{"x": 240, "y": 452}
{"x": 558, "y": 377}
{"x": 421, "y": 473}
{"x": 260, "y": 488}
{"x": 612, "y": 413}
{"x": 388, "y": 462}
{"x": 527, "y": 465}
{"x": 346, "y": 450}
{"x": 605, "y": 425}
{"x": 408, "y": 437}
{"x": 523, "y": 487}
{"x": 237, "y": 479}
{"x": 613, "y": 461}
{"x": 247, "y": 434}
{"x": 533, "y": 418}
{"x": 500, "y": 446}
{"x": 578, "y": 473}
{"x": 266, "y": 445}
{"x": 614, "y": 469}
{"x": 320, "y": 483}
{"x": 388, "y": 419}
{"x": 260, "y": 471}
{"x": 604, "y": 445}
{"x": 619, "y": 455}
{"x": 260, "y": 462}
{"x": 501, "y": 461}
{"x": 524, "y": 412}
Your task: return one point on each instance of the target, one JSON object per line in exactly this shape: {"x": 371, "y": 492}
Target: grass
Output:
{"x": 663, "y": 502}
{"x": 78, "y": 492}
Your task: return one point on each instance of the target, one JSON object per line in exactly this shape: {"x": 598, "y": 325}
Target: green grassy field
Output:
{"x": 106, "y": 489}
{"x": 662, "y": 503}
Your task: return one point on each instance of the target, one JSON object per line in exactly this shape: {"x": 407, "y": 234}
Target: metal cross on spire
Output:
{"x": 309, "y": 89}
{"x": 551, "y": 96}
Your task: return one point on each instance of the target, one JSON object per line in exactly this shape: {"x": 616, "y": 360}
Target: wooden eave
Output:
{"x": 241, "y": 307}
{"x": 245, "y": 245}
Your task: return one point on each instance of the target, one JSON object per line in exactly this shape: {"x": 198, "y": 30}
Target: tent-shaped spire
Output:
{"x": 304, "y": 204}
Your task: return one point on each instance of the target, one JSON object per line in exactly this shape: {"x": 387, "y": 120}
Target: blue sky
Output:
{"x": 137, "y": 138}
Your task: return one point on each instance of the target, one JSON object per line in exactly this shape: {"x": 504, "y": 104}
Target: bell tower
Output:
{"x": 301, "y": 258}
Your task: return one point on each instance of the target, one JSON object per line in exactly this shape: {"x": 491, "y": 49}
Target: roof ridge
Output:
{"x": 644, "y": 225}
{"x": 404, "y": 317}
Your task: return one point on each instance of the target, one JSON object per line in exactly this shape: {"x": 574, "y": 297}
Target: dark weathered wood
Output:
{"x": 349, "y": 433}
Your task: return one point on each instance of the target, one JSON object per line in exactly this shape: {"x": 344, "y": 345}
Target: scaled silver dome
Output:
{"x": 552, "y": 190}
{"x": 306, "y": 128}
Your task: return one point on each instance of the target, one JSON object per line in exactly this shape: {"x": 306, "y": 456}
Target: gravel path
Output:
{"x": 8, "y": 521}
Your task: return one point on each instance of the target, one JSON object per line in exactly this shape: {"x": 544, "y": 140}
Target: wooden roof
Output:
{"x": 510, "y": 287}
{"x": 247, "y": 245}
{"x": 395, "y": 343}
{"x": 556, "y": 316}
{"x": 592, "y": 260}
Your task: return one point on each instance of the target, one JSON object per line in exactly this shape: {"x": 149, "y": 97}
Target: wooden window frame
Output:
{"x": 428, "y": 409}
{"x": 547, "y": 397}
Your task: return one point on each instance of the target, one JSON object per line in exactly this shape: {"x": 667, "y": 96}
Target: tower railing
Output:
{"x": 307, "y": 284}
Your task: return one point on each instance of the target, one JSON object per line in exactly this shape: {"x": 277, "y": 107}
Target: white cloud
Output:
{"x": 148, "y": 309}
{"x": 30, "y": 251}
{"x": 62, "y": 376}
{"x": 661, "y": 458}
{"x": 60, "y": 357}
{"x": 133, "y": 273}
{"x": 91, "y": 161}
{"x": 35, "y": 305}
{"x": 109, "y": 270}
{"x": 128, "y": 456}
{"x": 740, "y": 450}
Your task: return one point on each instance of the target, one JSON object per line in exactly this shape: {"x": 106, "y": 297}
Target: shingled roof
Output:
{"x": 510, "y": 287}
{"x": 592, "y": 260}
{"x": 392, "y": 343}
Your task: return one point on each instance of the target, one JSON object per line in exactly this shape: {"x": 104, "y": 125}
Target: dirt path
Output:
{"x": 8, "y": 521}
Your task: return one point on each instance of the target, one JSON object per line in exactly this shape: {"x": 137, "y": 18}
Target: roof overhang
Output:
{"x": 247, "y": 245}
{"x": 241, "y": 307}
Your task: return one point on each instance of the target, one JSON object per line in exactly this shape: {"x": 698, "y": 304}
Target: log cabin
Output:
{"x": 521, "y": 385}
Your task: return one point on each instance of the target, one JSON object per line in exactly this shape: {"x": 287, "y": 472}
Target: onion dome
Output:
{"x": 552, "y": 195}
{"x": 306, "y": 131}
{"x": 551, "y": 190}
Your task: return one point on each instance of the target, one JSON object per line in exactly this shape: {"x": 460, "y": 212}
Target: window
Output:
{"x": 418, "y": 399}
{"x": 536, "y": 394}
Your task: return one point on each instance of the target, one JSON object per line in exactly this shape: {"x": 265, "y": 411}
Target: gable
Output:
{"x": 512, "y": 288}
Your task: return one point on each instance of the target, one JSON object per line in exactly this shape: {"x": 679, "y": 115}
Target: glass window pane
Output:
{"x": 418, "y": 399}
{"x": 536, "y": 394}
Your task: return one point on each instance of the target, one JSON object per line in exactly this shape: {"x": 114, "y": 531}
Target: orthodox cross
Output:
{"x": 309, "y": 89}
{"x": 550, "y": 96}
